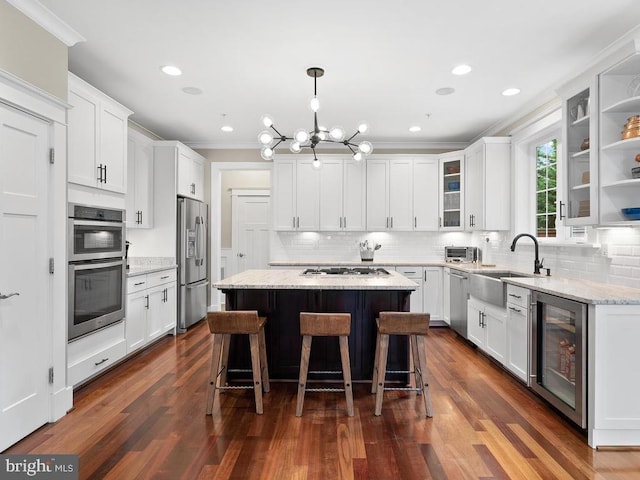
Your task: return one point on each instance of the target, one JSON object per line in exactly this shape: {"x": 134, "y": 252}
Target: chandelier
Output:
{"x": 310, "y": 139}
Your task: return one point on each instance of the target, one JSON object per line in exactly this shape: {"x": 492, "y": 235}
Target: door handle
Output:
{"x": 241, "y": 255}
{"x": 4, "y": 297}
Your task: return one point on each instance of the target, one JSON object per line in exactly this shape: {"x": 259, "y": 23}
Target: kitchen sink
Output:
{"x": 488, "y": 287}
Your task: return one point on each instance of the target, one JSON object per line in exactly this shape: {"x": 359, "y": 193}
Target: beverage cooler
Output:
{"x": 558, "y": 354}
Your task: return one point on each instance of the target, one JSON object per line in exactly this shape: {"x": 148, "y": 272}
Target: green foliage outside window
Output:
{"x": 546, "y": 188}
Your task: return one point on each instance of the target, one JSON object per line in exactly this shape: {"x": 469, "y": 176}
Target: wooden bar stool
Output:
{"x": 416, "y": 326}
{"x": 325, "y": 325}
{"x": 223, "y": 325}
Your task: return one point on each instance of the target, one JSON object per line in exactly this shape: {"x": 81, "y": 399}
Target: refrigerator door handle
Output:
{"x": 198, "y": 228}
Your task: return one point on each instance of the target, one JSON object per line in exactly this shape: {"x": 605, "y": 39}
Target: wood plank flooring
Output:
{"x": 146, "y": 419}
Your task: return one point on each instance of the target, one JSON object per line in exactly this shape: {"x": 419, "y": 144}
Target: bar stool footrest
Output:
{"x": 324, "y": 389}
{"x": 402, "y": 389}
{"x": 326, "y": 372}
{"x": 235, "y": 387}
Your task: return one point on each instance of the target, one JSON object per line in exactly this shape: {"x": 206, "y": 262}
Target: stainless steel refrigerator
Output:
{"x": 192, "y": 262}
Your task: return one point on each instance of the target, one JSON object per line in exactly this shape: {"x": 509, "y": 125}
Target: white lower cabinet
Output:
{"x": 89, "y": 355}
{"x": 428, "y": 297}
{"x": 151, "y": 307}
{"x": 517, "y": 358}
{"x": 486, "y": 328}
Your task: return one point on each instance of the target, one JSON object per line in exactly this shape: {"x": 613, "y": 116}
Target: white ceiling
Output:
{"x": 383, "y": 61}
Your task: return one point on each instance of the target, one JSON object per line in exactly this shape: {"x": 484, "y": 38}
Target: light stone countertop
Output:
{"x": 584, "y": 291}
{"x": 293, "y": 280}
{"x": 144, "y": 269}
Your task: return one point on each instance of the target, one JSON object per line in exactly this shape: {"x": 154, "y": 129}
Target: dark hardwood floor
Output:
{"x": 145, "y": 419}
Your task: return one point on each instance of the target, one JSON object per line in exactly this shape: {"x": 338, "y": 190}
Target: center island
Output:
{"x": 280, "y": 295}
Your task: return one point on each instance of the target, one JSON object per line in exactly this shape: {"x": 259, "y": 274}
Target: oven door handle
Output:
{"x": 96, "y": 264}
{"x": 96, "y": 223}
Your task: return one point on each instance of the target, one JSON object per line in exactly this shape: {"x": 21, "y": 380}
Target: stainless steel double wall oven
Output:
{"x": 97, "y": 268}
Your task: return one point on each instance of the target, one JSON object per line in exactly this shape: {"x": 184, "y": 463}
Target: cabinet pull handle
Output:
{"x": 340, "y": 222}
{"x": 514, "y": 295}
{"x": 391, "y": 222}
{"x": 415, "y": 222}
{"x": 293, "y": 219}
{"x": 297, "y": 222}
{"x": 479, "y": 319}
{"x": 561, "y": 204}
{"x": 439, "y": 222}
{"x": 139, "y": 283}
{"x": 147, "y": 305}
{"x": 425, "y": 276}
{"x": 164, "y": 278}
{"x": 101, "y": 361}
{"x": 99, "y": 178}
{"x": 8, "y": 295}
{"x": 515, "y": 309}
{"x": 105, "y": 174}
{"x": 387, "y": 222}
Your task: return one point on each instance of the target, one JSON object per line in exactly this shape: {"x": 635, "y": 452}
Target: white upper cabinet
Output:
{"x": 342, "y": 195}
{"x": 451, "y": 190}
{"x": 139, "y": 199}
{"x": 390, "y": 194}
{"x": 296, "y": 193}
{"x": 425, "y": 194}
{"x": 488, "y": 184}
{"x": 181, "y": 166}
{"x": 579, "y": 205}
{"x": 620, "y": 106}
{"x": 190, "y": 174}
{"x": 97, "y": 138}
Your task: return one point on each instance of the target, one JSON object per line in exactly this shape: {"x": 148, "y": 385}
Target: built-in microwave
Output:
{"x": 95, "y": 232}
{"x": 462, "y": 254}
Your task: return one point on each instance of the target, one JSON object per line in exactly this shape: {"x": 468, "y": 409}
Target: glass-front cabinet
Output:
{"x": 580, "y": 205}
{"x": 452, "y": 193}
{"x": 620, "y": 142}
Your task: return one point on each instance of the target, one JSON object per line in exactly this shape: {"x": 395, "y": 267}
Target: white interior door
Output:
{"x": 250, "y": 214}
{"x": 25, "y": 300}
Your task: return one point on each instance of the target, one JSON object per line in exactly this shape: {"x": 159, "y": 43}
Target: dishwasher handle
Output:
{"x": 462, "y": 276}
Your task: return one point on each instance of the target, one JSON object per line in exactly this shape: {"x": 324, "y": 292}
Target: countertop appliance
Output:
{"x": 191, "y": 256}
{"x": 559, "y": 354}
{"x": 458, "y": 296}
{"x": 462, "y": 254}
{"x": 96, "y": 268}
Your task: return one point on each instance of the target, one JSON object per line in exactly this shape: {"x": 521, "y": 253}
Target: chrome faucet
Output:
{"x": 537, "y": 264}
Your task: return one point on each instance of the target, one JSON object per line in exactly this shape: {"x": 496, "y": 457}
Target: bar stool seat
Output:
{"x": 224, "y": 324}
{"x": 325, "y": 325}
{"x": 416, "y": 326}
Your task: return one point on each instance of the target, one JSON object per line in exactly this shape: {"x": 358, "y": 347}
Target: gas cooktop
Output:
{"x": 345, "y": 271}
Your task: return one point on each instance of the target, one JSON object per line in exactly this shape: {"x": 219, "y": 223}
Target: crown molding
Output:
{"x": 48, "y": 20}
{"x": 204, "y": 145}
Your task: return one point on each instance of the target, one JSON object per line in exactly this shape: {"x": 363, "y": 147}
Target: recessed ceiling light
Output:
{"x": 510, "y": 92}
{"x": 461, "y": 70}
{"x": 415, "y": 128}
{"x": 445, "y": 91}
{"x": 226, "y": 128}
{"x": 192, "y": 90}
{"x": 171, "y": 70}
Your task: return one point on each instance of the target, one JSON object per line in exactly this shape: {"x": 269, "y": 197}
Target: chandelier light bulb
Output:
{"x": 314, "y": 104}
{"x": 337, "y": 134}
{"x": 316, "y": 164}
{"x": 295, "y": 147}
{"x": 365, "y": 147}
{"x": 266, "y": 153}
{"x": 362, "y": 127}
{"x": 301, "y": 136}
{"x": 322, "y": 134}
{"x": 267, "y": 121}
{"x": 357, "y": 156}
{"x": 265, "y": 137}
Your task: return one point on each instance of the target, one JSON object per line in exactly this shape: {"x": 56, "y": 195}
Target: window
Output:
{"x": 546, "y": 158}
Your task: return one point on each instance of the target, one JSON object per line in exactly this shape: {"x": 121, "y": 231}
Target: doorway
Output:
{"x": 250, "y": 219}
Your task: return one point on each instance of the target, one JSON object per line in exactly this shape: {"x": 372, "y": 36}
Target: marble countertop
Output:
{"x": 136, "y": 270}
{"x": 292, "y": 279}
{"x": 584, "y": 291}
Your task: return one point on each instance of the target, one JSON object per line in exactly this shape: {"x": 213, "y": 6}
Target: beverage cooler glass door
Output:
{"x": 559, "y": 351}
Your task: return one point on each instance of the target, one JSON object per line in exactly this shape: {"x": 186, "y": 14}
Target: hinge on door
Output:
{"x": 51, "y": 266}
{"x": 52, "y": 156}
{"x": 51, "y": 375}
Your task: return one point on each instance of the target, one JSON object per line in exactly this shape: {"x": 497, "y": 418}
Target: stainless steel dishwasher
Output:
{"x": 459, "y": 294}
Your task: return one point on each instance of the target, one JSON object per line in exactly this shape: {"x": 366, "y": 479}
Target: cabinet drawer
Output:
{"x": 159, "y": 278}
{"x": 137, "y": 283}
{"x": 518, "y": 296}
{"x": 95, "y": 363}
{"x": 410, "y": 272}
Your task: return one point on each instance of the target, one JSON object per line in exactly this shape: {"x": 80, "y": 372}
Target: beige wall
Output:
{"x": 30, "y": 52}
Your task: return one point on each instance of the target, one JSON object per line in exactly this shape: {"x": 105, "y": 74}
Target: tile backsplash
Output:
{"x": 614, "y": 257}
